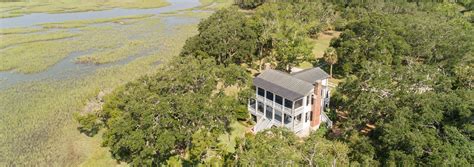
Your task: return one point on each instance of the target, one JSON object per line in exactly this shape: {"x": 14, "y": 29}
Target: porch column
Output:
{"x": 293, "y": 115}
{"x": 283, "y": 113}
{"x": 256, "y": 100}
{"x": 265, "y": 103}
{"x": 273, "y": 107}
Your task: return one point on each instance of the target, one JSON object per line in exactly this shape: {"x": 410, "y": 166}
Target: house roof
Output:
{"x": 283, "y": 84}
{"x": 311, "y": 75}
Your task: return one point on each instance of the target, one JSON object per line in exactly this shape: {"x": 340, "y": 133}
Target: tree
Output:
{"x": 403, "y": 85}
{"x": 226, "y": 36}
{"x": 167, "y": 114}
{"x": 318, "y": 151}
{"x": 271, "y": 147}
{"x": 330, "y": 56}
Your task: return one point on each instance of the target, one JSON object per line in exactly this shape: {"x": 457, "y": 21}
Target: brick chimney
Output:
{"x": 316, "y": 108}
{"x": 267, "y": 66}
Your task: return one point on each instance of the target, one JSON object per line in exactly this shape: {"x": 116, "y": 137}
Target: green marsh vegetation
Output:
{"x": 29, "y": 53}
{"x": 214, "y": 4}
{"x": 84, "y": 23}
{"x": 15, "y": 39}
{"x": 35, "y": 52}
{"x": 37, "y": 126}
{"x": 6, "y": 31}
{"x": 19, "y": 8}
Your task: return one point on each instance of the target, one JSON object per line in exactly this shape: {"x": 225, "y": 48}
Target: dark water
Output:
{"x": 67, "y": 68}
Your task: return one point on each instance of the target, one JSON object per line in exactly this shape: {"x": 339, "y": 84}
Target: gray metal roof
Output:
{"x": 311, "y": 75}
{"x": 283, "y": 84}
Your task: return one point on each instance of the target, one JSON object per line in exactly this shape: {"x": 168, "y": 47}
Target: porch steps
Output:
{"x": 263, "y": 124}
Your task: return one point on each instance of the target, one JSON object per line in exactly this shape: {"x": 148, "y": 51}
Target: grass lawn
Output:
{"x": 238, "y": 131}
{"x": 320, "y": 45}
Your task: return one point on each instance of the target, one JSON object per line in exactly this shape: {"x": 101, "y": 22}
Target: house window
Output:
{"x": 299, "y": 103}
{"x": 261, "y": 92}
{"x": 260, "y": 107}
{"x": 307, "y": 116}
{"x": 298, "y": 118}
{"x": 278, "y": 115}
{"x": 287, "y": 119}
{"x": 307, "y": 100}
{"x": 278, "y": 99}
{"x": 288, "y": 103}
{"x": 269, "y": 95}
{"x": 252, "y": 103}
{"x": 269, "y": 112}
{"x": 312, "y": 99}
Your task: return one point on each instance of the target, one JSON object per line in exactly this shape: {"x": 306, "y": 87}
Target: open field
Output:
{"x": 36, "y": 125}
{"x": 322, "y": 42}
{"x": 320, "y": 45}
{"x": 14, "y": 9}
{"x": 238, "y": 130}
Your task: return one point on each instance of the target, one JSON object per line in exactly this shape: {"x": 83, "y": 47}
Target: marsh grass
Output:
{"x": 84, "y": 23}
{"x": 14, "y": 9}
{"x": 23, "y": 30}
{"x": 34, "y": 57}
{"x": 36, "y": 125}
{"x": 32, "y": 53}
{"x": 132, "y": 48}
{"x": 15, "y": 39}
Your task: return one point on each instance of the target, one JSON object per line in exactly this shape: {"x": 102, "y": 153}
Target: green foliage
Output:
{"x": 281, "y": 147}
{"x": 330, "y": 57}
{"x": 249, "y": 4}
{"x": 318, "y": 151}
{"x": 225, "y": 36}
{"x": 278, "y": 33}
{"x": 272, "y": 147}
{"x": 160, "y": 116}
{"x": 90, "y": 124}
{"x": 404, "y": 85}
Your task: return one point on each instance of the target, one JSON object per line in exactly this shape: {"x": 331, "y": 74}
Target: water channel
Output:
{"x": 67, "y": 67}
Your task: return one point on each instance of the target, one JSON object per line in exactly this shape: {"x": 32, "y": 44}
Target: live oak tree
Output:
{"x": 403, "y": 88}
{"x": 271, "y": 147}
{"x": 278, "y": 33}
{"x": 156, "y": 117}
{"x": 319, "y": 151}
{"x": 227, "y": 36}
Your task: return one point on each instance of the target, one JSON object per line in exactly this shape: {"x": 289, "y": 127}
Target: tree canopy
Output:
{"x": 156, "y": 117}
{"x": 406, "y": 100}
{"x": 405, "y": 97}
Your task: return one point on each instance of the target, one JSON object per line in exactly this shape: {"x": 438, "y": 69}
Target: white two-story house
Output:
{"x": 295, "y": 100}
